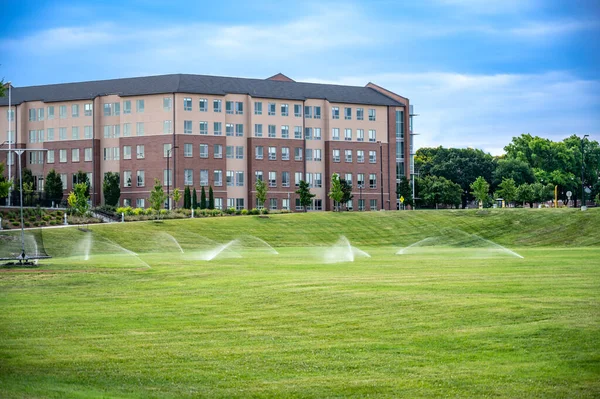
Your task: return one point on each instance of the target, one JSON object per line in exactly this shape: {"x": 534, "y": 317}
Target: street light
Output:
{"x": 169, "y": 176}
{"x": 583, "y": 207}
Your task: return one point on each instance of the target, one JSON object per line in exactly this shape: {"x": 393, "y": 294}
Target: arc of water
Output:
{"x": 114, "y": 244}
{"x": 401, "y": 252}
{"x": 499, "y": 246}
{"x": 174, "y": 240}
{"x": 269, "y": 247}
{"x": 216, "y": 252}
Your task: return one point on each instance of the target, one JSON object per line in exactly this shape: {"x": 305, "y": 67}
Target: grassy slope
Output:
{"x": 288, "y": 325}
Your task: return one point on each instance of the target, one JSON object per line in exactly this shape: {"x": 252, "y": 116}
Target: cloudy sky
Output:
{"x": 477, "y": 71}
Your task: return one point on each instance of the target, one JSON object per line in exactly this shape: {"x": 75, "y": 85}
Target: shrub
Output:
{"x": 265, "y": 211}
{"x": 230, "y": 211}
{"x": 16, "y": 224}
{"x": 26, "y": 224}
{"x": 244, "y": 212}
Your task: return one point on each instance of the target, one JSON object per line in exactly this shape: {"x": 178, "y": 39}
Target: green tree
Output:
{"x": 507, "y": 190}
{"x": 176, "y": 197}
{"x": 305, "y": 195}
{"x": 525, "y": 194}
{"x": 53, "y": 186}
{"x": 403, "y": 189}
{"x": 597, "y": 199}
{"x": 28, "y": 193}
{"x": 203, "y": 199}
{"x": 27, "y": 179}
{"x": 347, "y": 190}
{"x": 211, "y": 198}
{"x": 435, "y": 190}
{"x": 187, "y": 198}
{"x": 111, "y": 188}
{"x": 4, "y": 184}
{"x": 461, "y": 166}
{"x": 78, "y": 199}
{"x": 261, "y": 193}
{"x": 481, "y": 189}
{"x": 82, "y": 177}
{"x": 194, "y": 203}
{"x": 541, "y": 192}
{"x": 157, "y": 197}
{"x": 336, "y": 193}
{"x": 515, "y": 169}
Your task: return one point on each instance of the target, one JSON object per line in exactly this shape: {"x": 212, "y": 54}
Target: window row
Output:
{"x": 311, "y": 154}
{"x": 360, "y": 179}
{"x": 39, "y": 114}
{"x": 230, "y": 128}
{"x": 360, "y": 113}
{"x": 63, "y": 155}
{"x": 74, "y": 179}
{"x": 41, "y": 136}
{"x": 231, "y": 107}
{"x": 313, "y": 179}
{"x": 360, "y": 135}
{"x": 114, "y": 109}
{"x": 348, "y": 156}
{"x": 114, "y": 131}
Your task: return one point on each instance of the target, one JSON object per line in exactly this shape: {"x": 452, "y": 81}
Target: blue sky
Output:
{"x": 478, "y": 72}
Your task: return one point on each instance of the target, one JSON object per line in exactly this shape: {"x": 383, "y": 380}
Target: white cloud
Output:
{"x": 486, "y": 111}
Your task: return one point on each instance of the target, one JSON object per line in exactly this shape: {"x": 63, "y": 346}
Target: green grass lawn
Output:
{"x": 444, "y": 322}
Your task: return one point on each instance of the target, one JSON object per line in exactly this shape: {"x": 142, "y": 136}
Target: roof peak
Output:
{"x": 281, "y": 77}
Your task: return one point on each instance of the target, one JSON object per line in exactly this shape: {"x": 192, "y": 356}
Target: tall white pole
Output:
{"x": 10, "y": 154}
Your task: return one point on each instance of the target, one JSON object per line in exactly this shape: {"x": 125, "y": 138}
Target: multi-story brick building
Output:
{"x": 218, "y": 131}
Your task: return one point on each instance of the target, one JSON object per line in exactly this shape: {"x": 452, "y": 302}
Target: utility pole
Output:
{"x": 583, "y": 207}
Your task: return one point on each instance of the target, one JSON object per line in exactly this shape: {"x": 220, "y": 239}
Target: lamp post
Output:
{"x": 10, "y": 139}
{"x": 583, "y": 207}
{"x": 169, "y": 176}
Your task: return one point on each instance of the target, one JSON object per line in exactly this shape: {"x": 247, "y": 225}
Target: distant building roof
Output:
{"x": 200, "y": 84}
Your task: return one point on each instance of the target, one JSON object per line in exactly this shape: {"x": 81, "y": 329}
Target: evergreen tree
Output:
{"x": 347, "y": 190}
{"x": 194, "y": 203}
{"x": 211, "y": 198}
{"x": 403, "y": 189}
{"x": 305, "y": 194}
{"x": 203, "y": 199}
{"x": 4, "y": 184}
{"x": 111, "y": 187}
{"x": 53, "y": 186}
{"x": 336, "y": 192}
{"x": 187, "y": 198}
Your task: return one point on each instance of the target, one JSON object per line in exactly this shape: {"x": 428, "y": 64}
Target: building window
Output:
{"x": 203, "y": 105}
{"x": 285, "y": 179}
{"x": 272, "y": 131}
{"x": 372, "y": 136}
{"x": 298, "y": 154}
{"x": 203, "y": 150}
{"x": 126, "y": 152}
{"x": 32, "y": 115}
{"x": 62, "y": 156}
{"x": 348, "y": 134}
{"x": 63, "y": 179}
{"x": 285, "y": 132}
{"x": 258, "y": 152}
{"x": 317, "y": 133}
{"x": 126, "y": 178}
{"x": 188, "y": 177}
{"x": 126, "y": 130}
{"x": 218, "y": 151}
{"x": 87, "y": 154}
{"x": 139, "y": 105}
{"x": 187, "y": 104}
{"x": 297, "y": 110}
{"x": 317, "y": 112}
{"x": 272, "y": 153}
{"x": 316, "y": 154}
{"x": 373, "y": 204}
{"x": 217, "y": 128}
{"x": 140, "y": 203}
{"x": 229, "y": 152}
{"x": 297, "y": 178}
{"x": 41, "y": 113}
{"x": 372, "y": 156}
{"x": 50, "y": 112}
{"x": 75, "y": 155}
{"x": 309, "y": 179}
{"x": 239, "y": 108}
{"x": 229, "y": 129}
{"x": 216, "y": 105}
{"x": 203, "y": 128}
{"x": 285, "y": 204}
{"x": 167, "y": 177}
{"x": 239, "y": 152}
{"x": 360, "y": 114}
{"x": 258, "y": 130}
{"x": 360, "y": 156}
{"x": 360, "y": 135}
{"x": 335, "y": 113}
{"x": 309, "y": 154}
{"x": 285, "y": 110}
{"x": 360, "y": 180}
{"x": 348, "y": 156}
{"x": 336, "y": 155}
{"x": 239, "y": 130}
{"x": 32, "y": 136}
{"x": 218, "y": 178}
{"x": 62, "y": 133}
{"x": 139, "y": 129}
{"x": 308, "y": 133}
{"x": 168, "y": 127}
{"x": 308, "y": 112}
{"x": 141, "y": 181}
{"x": 229, "y": 107}
{"x": 298, "y": 132}
{"x": 272, "y": 109}
{"x": 285, "y": 153}
{"x": 335, "y": 133}
{"x": 50, "y": 156}
{"x": 318, "y": 180}
{"x": 347, "y": 113}
{"x": 126, "y": 107}
{"x": 188, "y": 150}
{"x": 139, "y": 150}
{"x": 258, "y": 175}
{"x": 229, "y": 178}
{"x": 204, "y": 177}
{"x": 273, "y": 203}
{"x": 371, "y": 114}
{"x": 372, "y": 180}
{"x": 257, "y": 108}
{"x": 62, "y": 111}
{"x": 167, "y": 103}
{"x": 272, "y": 179}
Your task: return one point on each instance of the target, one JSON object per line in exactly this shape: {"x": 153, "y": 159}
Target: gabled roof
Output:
{"x": 281, "y": 77}
{"x": 199, "y": 84}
